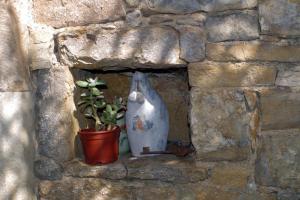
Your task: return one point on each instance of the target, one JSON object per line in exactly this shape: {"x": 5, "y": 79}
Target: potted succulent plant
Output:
{"x": 100, "y": 144}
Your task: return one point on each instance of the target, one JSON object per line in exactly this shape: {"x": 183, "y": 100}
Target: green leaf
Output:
{"x": 84, "y": 94}
{"x": 81, "y": 102}
{"x": 96, "y": 91}
{"x": 100, "y": 104}
{"x": 82, "y": 84}
{"x": 97, "y": 82}
{"x": 109, "y": 108}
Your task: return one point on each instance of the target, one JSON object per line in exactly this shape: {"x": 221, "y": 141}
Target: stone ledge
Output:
{"x": 163, "y": 168}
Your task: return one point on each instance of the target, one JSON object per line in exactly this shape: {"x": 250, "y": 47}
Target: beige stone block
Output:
{"x": 220, "y": 124}
{"x": 252, "y": 51}
{"x": 280, "y": 109}
{"x": 217, "y": 74}
{"x": 278, "y": 161}
{"x": 231, "y": 175}
{"x": 156, "y": 47}
{"x": 280, "y": 17}
{"x": 61, "y": 13}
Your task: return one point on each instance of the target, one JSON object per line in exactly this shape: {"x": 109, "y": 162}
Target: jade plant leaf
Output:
{"x": 82, "y": 84}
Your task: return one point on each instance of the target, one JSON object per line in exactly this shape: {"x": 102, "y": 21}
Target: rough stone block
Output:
{"x": 167, "y": 169}
{"x": 253, "y": 51}
{"x": 59, "y": 13}
{"x": 280, "y": 17}
{"x": 280, "y": 109}
{"x": 192, "y": 44}
{"x": 232, "y": 26}
{"x": 217, "y": 74}
{"x": 221, "y": 5}
{"x": 79, "y": 169}
{"x": 220, "y": 124}
{"x": 278, "y": 160}
{"x": 56, "y": 125}
{"x": 231, "y": 175}
{"x": 47, "y": 169}
{"x": 191, "y": 6}
{"x": 289, "y": 76}
{"x": 41, "y": 47}
{"x": 14, "y": 72}
{"x": 17, "y": 145}
{"x": 157, "y": 47}
{"x": 172, "y": 6}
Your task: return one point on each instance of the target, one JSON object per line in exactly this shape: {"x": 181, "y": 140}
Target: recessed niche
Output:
{"x": 171, "y": 84}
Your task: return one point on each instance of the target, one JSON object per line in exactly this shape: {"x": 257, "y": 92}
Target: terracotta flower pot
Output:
{"x": 100, "y": 147}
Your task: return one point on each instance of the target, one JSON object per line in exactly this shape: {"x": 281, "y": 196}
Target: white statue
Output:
{"x": 147, "y": 118}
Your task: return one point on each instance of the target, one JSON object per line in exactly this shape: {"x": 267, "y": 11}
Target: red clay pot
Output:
{"x": 100, "y": 147}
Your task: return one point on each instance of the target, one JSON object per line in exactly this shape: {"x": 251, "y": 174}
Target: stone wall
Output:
{"x": 17, "y": 143}
{"x": 242, "y": 59}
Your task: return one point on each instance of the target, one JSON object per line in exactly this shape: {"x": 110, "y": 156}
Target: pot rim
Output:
{"x": 92, "y": 131}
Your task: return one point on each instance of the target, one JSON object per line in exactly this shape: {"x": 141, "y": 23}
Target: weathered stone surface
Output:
{"x": 231, "y": 175}
{"x": 280, "y": 17}
{"x": 288, "y": 194}
{"x": 184, "y": 7}
{"x": 278, "y": 159}
{"x": 252, "y": 51}
{"x": 17, "y": 145}
{"x": 280, "y": 110}
{"x": 221, "y": 5}
{"x": 167, "y": 169}
{"x": 195, "y": 19}
{"x": 134, "y": 18}
{"x": 173, "y": 6}
{"x": 89, "y": 188}
{"x": 233, "y": 153}
{"x": 219, "y": 74}
{"x": 56, "y": 126}
{"x": 172, "y": 87}
{"x": 153, "y": 46}
{"x": 77, "y": 168}
{"x": 289, "y": 76}
{"x": 58, "y": 13}
{"x": 47, "y": 169}
{"x": 41, "y": 47}
{"x": 232, "y": 26}
{"x": 220, "y": 124}
{"x": 192, "y": 44}
{"x": 14, "y": 72}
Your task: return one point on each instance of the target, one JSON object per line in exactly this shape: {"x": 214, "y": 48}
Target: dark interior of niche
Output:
{"x": 171, "y": 84}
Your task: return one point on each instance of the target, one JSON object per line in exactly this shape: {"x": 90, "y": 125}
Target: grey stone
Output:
{"x": 232, "y": 26}
{"x": 289, "y": 76}
{"x": 278, "y": 160}
{"x": 59, "y": 13}
{"x": 288, "y": 194}
{"x": 77, "y": 168}
{"x": 134, "y": 18}
{"x": 280, "y": 109}
{"x": 191, "y": 6}
{"x": 157, "y": 47}
{"x": 173, "y": 6}
{"x": 252, "y": 51}
{"x": 220, "y": 124}
{"x": 167, "y": 169}
{"x": 47, "y": 169}
{"x": 280, "y": 17}
{"x": 56, "y": 126}
{"x": 221, "y": 5}
{"x": 220, "y": 74}
{"x": 192, "y": 44}
{"x": 17, "y": 145}
{"x": 14, "y": 72}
